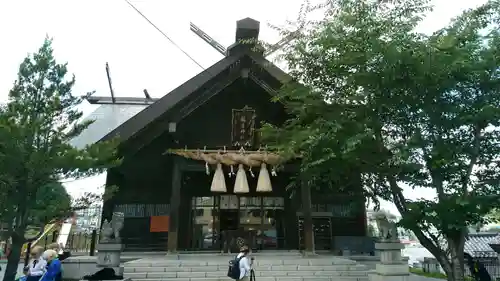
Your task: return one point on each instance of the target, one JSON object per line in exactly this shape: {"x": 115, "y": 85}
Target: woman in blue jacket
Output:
{"x": 53, "y": 266}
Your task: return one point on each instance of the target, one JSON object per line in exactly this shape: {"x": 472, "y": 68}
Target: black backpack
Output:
{"x": 234, "y": 268}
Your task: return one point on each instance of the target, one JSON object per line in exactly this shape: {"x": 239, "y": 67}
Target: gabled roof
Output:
{"x": 139, "y": 121}
{"x": 236, "y": 54}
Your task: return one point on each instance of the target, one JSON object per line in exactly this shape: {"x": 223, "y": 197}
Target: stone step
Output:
{"x": 269, "y": 268}
{"x": 267, "y": 253}
{"x": 212, "y": 268}
{"x": 290, "y": 278}
{"x": 219, "y": 261}
{"x": 155, "y": 275}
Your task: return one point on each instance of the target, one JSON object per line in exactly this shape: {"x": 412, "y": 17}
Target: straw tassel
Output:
{"x": 264, "y": 181}
{"x": 241, "y": 183}
{"x": 219, "y": 181}
{"x": 273, "y": 172}
{"x": 231, "y": 171}
{"x": 207, "y": 168}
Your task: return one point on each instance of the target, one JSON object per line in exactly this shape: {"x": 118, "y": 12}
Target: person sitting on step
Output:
{"x": 54, "y": 269}
{"x": 37, "y": 265}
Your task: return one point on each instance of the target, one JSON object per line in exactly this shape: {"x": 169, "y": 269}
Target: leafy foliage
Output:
{"x": 52, "y": 202}
{"x": 36, "y": 126}
{"x": 404, "y": 109}
{"x": 494, "y": 215}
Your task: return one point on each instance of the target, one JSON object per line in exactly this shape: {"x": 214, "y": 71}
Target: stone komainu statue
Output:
{"x": 110, "y": 231}
{"x": 387, "y": 230}
{"x": 117, "y": 224}
{"x": 106, "y": 231}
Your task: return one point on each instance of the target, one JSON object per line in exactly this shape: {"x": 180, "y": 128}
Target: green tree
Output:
{"x": 36, "y": 125}
{"x": 405, "y": 109}
{"x": 52, "y": 202}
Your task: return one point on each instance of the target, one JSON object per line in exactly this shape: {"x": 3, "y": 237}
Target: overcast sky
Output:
{"x": 89, "y": 33}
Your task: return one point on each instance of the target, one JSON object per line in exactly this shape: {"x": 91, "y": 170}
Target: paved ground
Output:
{"x": 414, "y": 277}
{"x": 19, "y": 269}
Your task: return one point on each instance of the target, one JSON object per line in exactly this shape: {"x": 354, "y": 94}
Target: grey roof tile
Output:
{"x": 107, "y": 117}
{"x": 478, "y": 246}
{"x": 495, "y": 240}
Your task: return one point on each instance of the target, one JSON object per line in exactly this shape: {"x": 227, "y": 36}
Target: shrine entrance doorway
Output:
{"x": 229, "y": 220}
{"x": 226, "y": 222}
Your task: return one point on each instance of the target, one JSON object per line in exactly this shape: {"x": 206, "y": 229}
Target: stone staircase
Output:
{"x": 286, "y": 266}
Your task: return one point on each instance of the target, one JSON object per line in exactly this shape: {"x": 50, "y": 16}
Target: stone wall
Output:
{"x": 75, "y": 268}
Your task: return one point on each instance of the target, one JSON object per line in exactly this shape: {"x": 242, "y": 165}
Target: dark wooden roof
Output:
{"x": 138, "y": 122}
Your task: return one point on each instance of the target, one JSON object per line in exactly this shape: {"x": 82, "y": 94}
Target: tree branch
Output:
{"x": 432, "y": 246}
{"x": 397, "y": 195}
{"x": 437, "y": 182}
{"x": 474, "y": 157}
{"x": 434, "y": 249}
{"x": 432, "y": 237}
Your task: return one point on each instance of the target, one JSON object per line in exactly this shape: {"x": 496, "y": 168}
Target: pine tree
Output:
{"x": 36, "y": 125}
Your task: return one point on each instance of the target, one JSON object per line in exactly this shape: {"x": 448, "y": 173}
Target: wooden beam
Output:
{"x": 282, "y": 43}
{"x": 221, "y": 151}
{"x": 120, "y": 100}
{"x": 110, "y": 84}
{"x": 270, "y": 90}
{"x": 175, "y": 199}
{"x": 198, "y": 166}
{"x": 212, "y": 42}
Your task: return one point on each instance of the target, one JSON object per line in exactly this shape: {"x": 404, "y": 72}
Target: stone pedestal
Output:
{"x": 391, "y": 266}
{"x": 108, "y": 256}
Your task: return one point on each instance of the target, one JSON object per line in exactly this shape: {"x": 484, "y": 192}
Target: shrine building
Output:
{"x": 196, "y": 176}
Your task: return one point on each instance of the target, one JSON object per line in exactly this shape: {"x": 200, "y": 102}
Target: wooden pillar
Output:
{"x": 175, "y": 198}
{"x": 108, "y": 204}
{"x": 292, "y": 206}
{"x": 308, "y": 223}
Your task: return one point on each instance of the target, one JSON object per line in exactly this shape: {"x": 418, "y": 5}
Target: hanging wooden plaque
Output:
{"x": 159, "y": 224}
{"x": 243, "y": 127}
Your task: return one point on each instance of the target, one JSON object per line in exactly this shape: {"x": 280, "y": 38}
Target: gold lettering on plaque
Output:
{"x": 243, "y": 127}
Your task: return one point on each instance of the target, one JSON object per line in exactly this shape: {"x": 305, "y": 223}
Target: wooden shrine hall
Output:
{"x": 195, "y": 175}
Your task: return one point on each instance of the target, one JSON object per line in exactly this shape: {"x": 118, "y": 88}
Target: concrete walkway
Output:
{"x": 19, "y": 269}
{"x": 414, "y": 277}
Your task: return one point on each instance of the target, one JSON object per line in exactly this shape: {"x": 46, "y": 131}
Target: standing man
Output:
{"x": 244, "y": 263}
